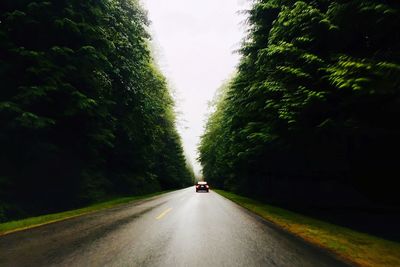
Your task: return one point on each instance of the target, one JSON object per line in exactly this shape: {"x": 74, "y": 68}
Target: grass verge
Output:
{"x": 352, "y": 246}
{"x": 14, "y": 226}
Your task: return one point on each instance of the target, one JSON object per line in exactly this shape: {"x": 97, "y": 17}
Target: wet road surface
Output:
{"x": 181, "y": 228}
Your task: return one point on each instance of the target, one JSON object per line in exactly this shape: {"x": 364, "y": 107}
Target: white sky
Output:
{"x": 195, "y": 41}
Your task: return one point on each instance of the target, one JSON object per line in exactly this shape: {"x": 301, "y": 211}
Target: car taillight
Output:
{"x": 207, "y": 186}
{"x": 197, "y": 186}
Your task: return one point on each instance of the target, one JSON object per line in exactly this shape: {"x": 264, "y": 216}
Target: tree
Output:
{"x": 84, "y": 112}
{"x": 313, "y": 104}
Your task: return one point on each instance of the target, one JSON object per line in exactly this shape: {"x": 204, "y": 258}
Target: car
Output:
{"x": 202, "y": 186}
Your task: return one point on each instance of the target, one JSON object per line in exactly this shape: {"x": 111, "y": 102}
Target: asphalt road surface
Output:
{"x": 181, "y": 228}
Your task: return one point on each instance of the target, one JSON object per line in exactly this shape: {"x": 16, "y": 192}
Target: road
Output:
{"x": 181, "y": 228}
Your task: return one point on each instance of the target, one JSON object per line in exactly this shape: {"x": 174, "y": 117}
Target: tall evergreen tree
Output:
{"x": 84, "y": 112}
{"x": 313, "y": 105}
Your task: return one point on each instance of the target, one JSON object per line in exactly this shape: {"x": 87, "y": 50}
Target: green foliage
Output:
{"x": 84, "y": 113}
{"x": 314, "y": 102}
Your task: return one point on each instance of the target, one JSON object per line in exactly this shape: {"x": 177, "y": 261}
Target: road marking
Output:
{"x": 163, "y": 214}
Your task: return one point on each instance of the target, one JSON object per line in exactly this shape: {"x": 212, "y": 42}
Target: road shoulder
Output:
{"x": 38, "y": 221}
{"x": 352, "y": 247}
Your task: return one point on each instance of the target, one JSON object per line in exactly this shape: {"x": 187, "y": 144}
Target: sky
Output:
{"x": 194, "y": 43}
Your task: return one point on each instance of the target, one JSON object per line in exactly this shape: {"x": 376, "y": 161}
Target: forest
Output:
{"x": 85, "y": 113}
{"x": 311, "y": 116}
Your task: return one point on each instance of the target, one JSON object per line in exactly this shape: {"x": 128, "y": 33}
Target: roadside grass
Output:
{"x": 14, "y": 226}
{"x": 357, "y": 248}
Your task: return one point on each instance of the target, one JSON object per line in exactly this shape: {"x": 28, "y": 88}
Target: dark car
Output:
{"x": 202, "y": 186}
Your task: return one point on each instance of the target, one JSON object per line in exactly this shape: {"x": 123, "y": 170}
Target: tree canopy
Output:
{"x": 85, "y": 113}
{"x": 311, "y": 114}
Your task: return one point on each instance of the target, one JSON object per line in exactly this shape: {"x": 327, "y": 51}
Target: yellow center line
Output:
{"x": 163, "y": 214}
